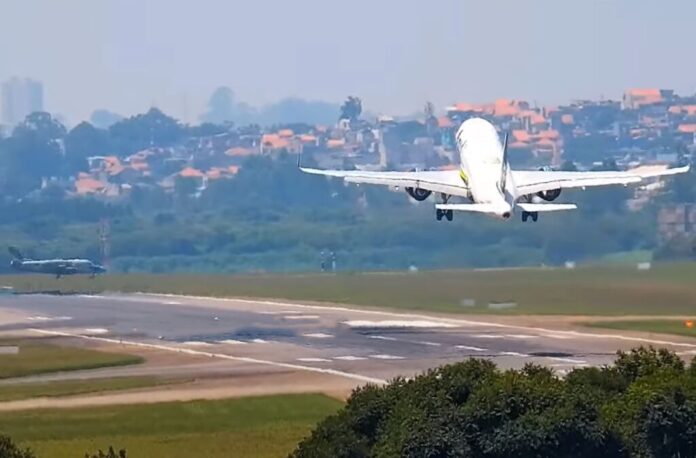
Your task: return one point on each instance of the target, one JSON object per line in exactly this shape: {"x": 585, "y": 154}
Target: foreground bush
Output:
{"x": 8, "y": 449}
{"x": 643, "y": 406}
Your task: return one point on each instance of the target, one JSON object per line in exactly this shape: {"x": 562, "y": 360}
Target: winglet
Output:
{"x": 299, "y": 159}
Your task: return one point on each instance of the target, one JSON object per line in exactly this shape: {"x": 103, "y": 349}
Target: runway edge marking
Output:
{"x": 348, "y": 375}
{"x": 459, "y": 321}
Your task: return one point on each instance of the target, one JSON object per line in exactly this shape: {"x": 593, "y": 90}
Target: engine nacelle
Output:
{"x": 550, "y": 195}
{"x": 418, "y": 193}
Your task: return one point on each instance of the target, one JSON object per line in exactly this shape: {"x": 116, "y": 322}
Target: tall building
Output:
{"x": 20, "y": 97}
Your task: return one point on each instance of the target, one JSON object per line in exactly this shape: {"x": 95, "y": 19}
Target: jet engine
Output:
{"x": 550, "y": 195}
{"x": 418, "y": 193}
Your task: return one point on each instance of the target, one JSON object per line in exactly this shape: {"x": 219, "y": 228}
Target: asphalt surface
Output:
{"x": 247, "y": 336}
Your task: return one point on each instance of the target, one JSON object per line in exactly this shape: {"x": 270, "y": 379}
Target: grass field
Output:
{"x": 607, "y": 290}
{"x": 17, "y": 391}
{"x": 676, "y": 327}
{"x": 250, "y": 427}
{"x": 36, "y": 356}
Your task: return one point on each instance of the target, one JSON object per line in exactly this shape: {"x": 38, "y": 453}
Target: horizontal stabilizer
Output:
{"x": 538, "y": 208}
{"x": 478, "y": 208}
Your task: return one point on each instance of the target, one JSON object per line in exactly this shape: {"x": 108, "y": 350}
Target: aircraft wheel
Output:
{"x": 535, "y": 216}
{"x": 525, "y": 216}
{"x": 439, "y": 214}
{"x": 449, "y": 214}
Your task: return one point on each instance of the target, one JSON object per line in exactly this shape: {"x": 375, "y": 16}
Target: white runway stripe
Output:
{"x": 233, "y": 342}
{"x": 392, "y": 339}
{"x": 386, "y": 357}
{"x": 301, "y": 317}
{"x": 466, "y": 347}
{"x": 513, "y": 353}
{"x": 195, "y": 343}
{"x": 96, "y": 331}
{"x": 314, "y": 360}
{"x": 318, "y": 335}
{"x": 350, "y": 358}
{"x": 244, "y": 359}
{"x": 398, "y": 324}
{"x": 567, "y": 360}
{"x": 49, "y": 318}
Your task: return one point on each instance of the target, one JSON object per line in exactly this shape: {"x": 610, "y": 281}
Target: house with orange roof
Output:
{"x": 273, "y": 143}
{"x": 444, "y": 122}
{"x": 633, "y": 99}
{"x": 86, "y": 185}
{"x": 190, "y": 172}
{"x": 335, "y": 143}
{"x": 240, "y": 151}
{"x": 567, "y": 119}
{"x": 520, "y": 136}
{"x": 308, "y": 139}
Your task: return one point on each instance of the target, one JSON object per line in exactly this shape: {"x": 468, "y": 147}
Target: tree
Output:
{"x": 643, "y": 407}
{"x": 103, "y": 119}
{"x": 142, "y": 131}
{"x": 83, "y": 141}
{"x": 220, "y": 106}
{"x": 34, "y": 151}
{"x": 8, "y": 449}
{"x": 185, "y": 186}
{"x": 351, "y": 109}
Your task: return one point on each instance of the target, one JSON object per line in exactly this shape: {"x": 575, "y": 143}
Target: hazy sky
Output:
{"x": 126, "y": 55}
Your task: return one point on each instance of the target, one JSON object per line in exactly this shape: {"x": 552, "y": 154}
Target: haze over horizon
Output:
{"x": 128, "y": 55}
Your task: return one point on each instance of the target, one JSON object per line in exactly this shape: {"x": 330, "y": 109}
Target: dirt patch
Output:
{"x": 218, "y": 388}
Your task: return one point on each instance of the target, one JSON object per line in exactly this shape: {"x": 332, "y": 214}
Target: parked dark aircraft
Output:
{"x": 57, "y": 267}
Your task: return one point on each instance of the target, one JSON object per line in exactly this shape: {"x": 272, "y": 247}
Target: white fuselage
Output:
{"x": 481, "y": 155}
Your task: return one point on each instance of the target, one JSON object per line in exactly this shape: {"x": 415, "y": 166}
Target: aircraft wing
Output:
{"x": 531, "y": 182}
{"x": 445, "y": 181}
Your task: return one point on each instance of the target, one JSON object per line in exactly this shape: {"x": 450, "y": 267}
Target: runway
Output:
{"x": 356, "y": 344}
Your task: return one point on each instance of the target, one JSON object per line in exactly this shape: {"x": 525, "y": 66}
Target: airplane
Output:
{"x": 486, "y": 182}
{"x": 57, "y": 267}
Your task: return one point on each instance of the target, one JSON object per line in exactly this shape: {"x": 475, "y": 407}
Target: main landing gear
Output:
{"x": 448, "y": 214}
{"x": 533, "y": 215}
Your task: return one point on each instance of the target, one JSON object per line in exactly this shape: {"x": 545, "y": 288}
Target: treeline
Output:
{"x": 42, "y": 147}
{"x": 643, "y": 406}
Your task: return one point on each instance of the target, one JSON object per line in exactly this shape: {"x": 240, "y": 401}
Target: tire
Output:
{"x": 535, "y": 216}
{"x": 449, "y": 214}
{"x": 525, "y": 216}
{"x": 438, "y": 214}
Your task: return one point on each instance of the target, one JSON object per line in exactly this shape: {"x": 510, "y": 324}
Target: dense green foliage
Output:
{"x": 644, "y": 406}
{"x": 8, "y": 449}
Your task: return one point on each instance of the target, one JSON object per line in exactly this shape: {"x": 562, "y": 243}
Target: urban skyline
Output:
{"x": 174, "y": 56}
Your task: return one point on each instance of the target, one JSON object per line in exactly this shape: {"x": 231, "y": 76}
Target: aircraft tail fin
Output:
{"x": 16, "y": 254}
{"x": 504, "y": 166}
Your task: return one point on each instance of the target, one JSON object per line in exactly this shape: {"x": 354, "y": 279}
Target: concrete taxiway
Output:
{"x": 245, "y": 337}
